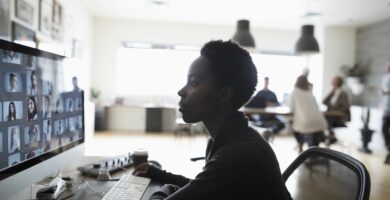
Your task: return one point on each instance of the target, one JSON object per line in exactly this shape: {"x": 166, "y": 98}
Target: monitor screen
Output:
{"x": 38, "y": 118}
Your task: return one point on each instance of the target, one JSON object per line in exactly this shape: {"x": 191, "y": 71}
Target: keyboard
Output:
{"x": 128, "y": 187}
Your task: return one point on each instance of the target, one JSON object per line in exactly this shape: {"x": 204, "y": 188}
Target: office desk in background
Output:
{"x": 87, "y": 194}
{"x": 146, "y": 118}
{"x": 284, "y": 111}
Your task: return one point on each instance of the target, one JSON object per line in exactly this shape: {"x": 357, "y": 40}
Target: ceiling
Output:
{"x": 283, "y": 14}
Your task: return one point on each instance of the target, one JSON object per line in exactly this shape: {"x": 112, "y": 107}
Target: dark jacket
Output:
{"x": 240, "y": 164}
{"x": 342, "y": 104}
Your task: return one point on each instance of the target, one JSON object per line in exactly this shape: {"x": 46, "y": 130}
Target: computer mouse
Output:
{"x": 155, "y": 163}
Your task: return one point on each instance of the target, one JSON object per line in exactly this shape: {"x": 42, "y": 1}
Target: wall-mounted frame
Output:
{"x": 24, "y": 11}
{"x": 23, "y": 35}
{"x": 57, "y": 31}
{"x": 5, "y": 24}
{"x": 45, "y": 16}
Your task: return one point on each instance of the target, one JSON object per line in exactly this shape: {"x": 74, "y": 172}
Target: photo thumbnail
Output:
{"x": 12, "y": 82}
{"x": 32, "y": 113}
{"x": 13, "y": 139}
{"x": 12, "y": 110}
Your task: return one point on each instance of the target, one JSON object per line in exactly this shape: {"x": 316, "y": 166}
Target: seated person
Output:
{"x": 239, "y": 163}
{"x": 266, "y": 98}
{"x": 309, "y": 122}
{"x": 337, "y": 100}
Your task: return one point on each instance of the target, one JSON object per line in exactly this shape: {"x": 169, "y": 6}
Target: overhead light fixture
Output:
{"x": 243, "y": 37}
{"x": 307, "y": 43}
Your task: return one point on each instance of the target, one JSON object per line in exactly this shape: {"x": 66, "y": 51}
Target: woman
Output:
{"x": 240, "y": 164}
{"x": 337, "y": 100}
{"x": 33, "y": 135}
{"x": 12, "y": 112}
{"x": 46, "y": 107}
{"x": 33, "y": 84}
{"x": 15, "y": 141}
{"x": 308, "y": 121}
{"x": 31, "y": 109}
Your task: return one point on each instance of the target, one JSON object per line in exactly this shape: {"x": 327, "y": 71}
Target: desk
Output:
{"x": 284, "y": 111}
{"x": 100, "y": 186}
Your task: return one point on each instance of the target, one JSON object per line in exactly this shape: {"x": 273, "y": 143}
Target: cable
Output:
{"x": 100, "y": 194}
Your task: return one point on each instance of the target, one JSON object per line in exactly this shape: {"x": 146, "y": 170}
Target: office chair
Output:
{"x": 320, "y": 173}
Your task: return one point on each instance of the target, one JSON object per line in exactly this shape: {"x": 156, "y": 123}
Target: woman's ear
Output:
{"x": 226, "y": 94}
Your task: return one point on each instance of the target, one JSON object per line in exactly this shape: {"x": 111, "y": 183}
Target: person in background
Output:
{"x": 76, "y": 87}
{"x": 308, "y": 121}
{"x": 266, "y": 98}
{"x": 385, "y": 88}
{"x": 337, "y": 100}
{"x": 240, "y": 164}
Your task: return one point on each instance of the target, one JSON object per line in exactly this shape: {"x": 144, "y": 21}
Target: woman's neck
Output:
{"x": 215, "y": 123}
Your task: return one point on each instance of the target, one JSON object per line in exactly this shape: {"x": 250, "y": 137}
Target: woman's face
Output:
{"x": 30, "y": 106}
{"x": 33, "y": 80}
{"x": 12, "y": 108}
{"x": 200, "y": 96}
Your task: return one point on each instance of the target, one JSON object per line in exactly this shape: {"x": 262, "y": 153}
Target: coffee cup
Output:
{"x": 140, "y": 156}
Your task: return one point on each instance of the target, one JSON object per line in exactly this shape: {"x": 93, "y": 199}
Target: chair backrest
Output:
{"x": 320, "y": 173}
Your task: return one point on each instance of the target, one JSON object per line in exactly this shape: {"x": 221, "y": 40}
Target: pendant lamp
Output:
{"x": 243, "y": 37}
{"x": 307, "y": 44}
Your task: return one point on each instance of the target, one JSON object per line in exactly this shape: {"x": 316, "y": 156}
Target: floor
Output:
{"x": 174, "y": 153}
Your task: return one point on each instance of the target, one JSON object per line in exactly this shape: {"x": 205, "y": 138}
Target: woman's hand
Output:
{"x": 142, "y": 169}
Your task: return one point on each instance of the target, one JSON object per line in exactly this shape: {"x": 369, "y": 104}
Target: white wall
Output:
{"x": 109, "y": 33}
{"x": 339, "y": 47}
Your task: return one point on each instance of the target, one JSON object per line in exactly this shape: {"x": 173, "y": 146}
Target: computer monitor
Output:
{"x": 41, "y": 124}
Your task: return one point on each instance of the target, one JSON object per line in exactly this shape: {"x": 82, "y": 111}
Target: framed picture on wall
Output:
{"x": 5, "y": 24}
{"x": 57, "y": 21}
{"x": 24, "y": 11}
{"x": 23, "y": 35}
{"x": 45, "y": 16}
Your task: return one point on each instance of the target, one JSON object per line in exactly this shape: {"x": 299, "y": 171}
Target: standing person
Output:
{"x": 337, "y": 100}
{"x": 386, "y": 111}
{"x": 76, "y": 87}
{"x": 308, "y": 121}
{"x": 31, "y": 109}
{"x": 266, "y": 98}
{"x": 240, "y": 164}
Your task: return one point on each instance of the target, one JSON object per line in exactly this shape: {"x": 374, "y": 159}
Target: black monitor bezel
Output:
{"x": 10, "y": 171}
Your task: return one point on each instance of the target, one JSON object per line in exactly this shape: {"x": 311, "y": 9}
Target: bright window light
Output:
{"x": 162, "y": 72}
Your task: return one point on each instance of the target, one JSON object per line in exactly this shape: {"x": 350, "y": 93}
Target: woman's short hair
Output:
{"x": 232, "y": 66}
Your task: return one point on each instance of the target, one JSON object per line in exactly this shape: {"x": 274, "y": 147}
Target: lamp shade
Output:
{"x": 307, "y": 43}
{"x": 243, "y": 37}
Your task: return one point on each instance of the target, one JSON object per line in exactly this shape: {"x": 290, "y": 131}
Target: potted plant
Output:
{"x": 354, "y": 77}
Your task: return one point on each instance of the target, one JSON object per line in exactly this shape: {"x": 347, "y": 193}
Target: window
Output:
{"x": 162, "y": 72}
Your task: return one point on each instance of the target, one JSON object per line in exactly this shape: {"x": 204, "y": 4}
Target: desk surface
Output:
{"x": 87, "y": 194}
{"x": 284, "y": 110}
